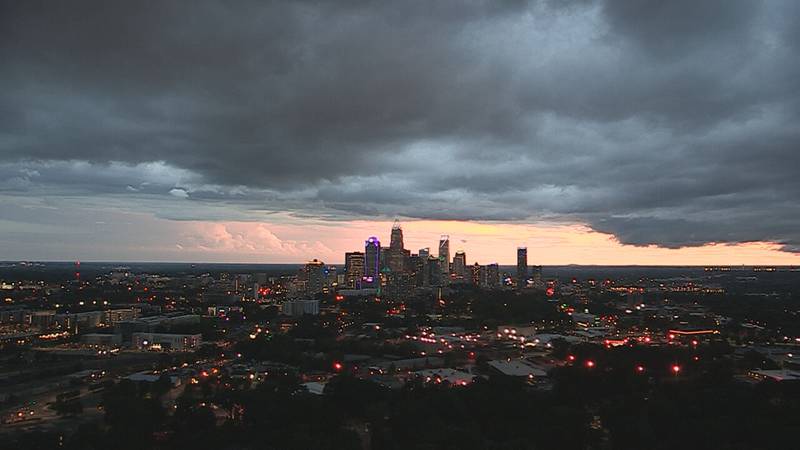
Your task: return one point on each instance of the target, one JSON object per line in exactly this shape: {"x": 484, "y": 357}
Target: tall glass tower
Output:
{"x": 396, "y": 242}
{"x": 372, "y": 259}
{"x": 396, "y": 254}
{"x": 444, "y": 255}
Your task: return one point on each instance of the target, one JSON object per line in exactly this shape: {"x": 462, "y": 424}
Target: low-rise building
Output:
{"x": 775, "y": 375}
{"x": 517, "y": 368}
{"x": 106, "y": 340}
{"x": 297, "y": 308}
{"x": 452, "y": 376}
{"x": 166, "y": 341}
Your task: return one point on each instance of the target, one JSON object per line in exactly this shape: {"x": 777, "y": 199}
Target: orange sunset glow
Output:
{"x": 382, "y": 225}
{"x": 548, "y": 244}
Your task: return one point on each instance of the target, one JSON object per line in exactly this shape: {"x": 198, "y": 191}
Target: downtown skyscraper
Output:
{"x": 522, "y": 267}
{"x": 315, "y": 273}
{"x": 394, "y": 272}
{"x": 397, "y": 255}
{"x": 372, "y": 260}
{"x": 459, "y": 269}
{"x": 354, "y": 269}
{"x": 444, "y": 255}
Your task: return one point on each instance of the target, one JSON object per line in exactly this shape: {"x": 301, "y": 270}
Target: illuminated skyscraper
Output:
{"x": 478, "y": 275}
{"x": 372, "y": 260}
{"x": 460, "y": 265}
{"x": 424, "y": 252}
{"x": 444, "y": 255}
{"x": 331, "y": 276}
{"x": 522, "y": 267}
{"x": 396, "y": 254}
{"x": 354, "y": 268}
{"x": 316, "y": 276}
{"x": 396, "y": 242}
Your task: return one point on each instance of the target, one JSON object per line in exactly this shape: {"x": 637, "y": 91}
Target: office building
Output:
{"x": 459, "y": 269}
{"x": 117, "y": 315}
{"x": 398, "y": 285}
{"x": 396, "y": 254}
{"x": 372, "y": 261}
{"x": 536, "y": 276}
{"x": 297, "y": 308}
{"x": 416, "y": 270}
{"x": 317, "y": 279}
{"x": 444, "y": 255}
{"x": 478, "y": 275}
{"x": 522, "y": 267}
{"x": 492, "y": 276}
{"x": 396, "y": 240}
{"x": 331, "y": 280}
{"x": 354, "y": 269}
{"x": 433, "y": 272}
{"x": 166, "y": 341}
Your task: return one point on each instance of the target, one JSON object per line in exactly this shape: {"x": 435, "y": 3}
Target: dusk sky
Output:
{"x": 616, "y": 132}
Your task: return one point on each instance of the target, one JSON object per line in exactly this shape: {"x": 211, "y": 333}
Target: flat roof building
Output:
{"x": 166, "y": 341}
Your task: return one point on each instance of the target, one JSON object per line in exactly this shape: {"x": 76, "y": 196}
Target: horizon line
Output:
{"x": 342, "y": 263}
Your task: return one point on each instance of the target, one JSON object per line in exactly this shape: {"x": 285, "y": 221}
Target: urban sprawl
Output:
{"x": 193, "y": 341}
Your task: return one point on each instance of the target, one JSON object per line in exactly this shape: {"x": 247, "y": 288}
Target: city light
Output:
{"x": 599, "y": 247}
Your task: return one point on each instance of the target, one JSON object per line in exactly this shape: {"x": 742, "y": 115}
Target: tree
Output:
{"x": 132, "y": 418}
{"x": 69, "y": 407}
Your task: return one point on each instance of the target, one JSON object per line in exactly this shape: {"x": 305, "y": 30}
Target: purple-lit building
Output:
{"x": 372, "y": 259}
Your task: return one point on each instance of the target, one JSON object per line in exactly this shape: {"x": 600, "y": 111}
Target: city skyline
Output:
{"x": 484, "y": 243}
{"x": 385, "y": 225}
{"x": 591, "y": 132}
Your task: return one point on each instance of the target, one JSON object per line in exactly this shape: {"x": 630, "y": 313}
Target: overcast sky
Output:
{"x": 272, "y": 131}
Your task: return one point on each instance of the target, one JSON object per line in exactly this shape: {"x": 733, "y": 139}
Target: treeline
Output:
{"x": 627, "y": 398}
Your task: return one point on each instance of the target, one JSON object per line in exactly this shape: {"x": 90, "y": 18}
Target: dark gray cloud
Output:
{"x": 681, "y": 27}
{"x": 666, "y": 123}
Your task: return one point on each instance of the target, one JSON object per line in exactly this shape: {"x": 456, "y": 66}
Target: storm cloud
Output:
{"x": 667, "y": 123}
